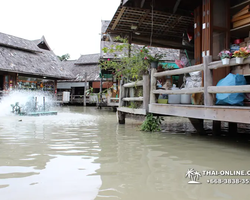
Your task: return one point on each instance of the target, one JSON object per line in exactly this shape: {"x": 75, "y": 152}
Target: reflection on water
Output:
{"x": 83, "y": 154}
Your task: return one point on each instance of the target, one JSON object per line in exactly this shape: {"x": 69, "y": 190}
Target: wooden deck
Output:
{"x": 235, "y": 114}
{"x": 209, "y": 111}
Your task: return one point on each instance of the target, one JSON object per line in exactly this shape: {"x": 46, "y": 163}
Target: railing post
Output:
{"x": 153, "y": 86}
{"x": 122, "y": 93}
{"x": 121, "y": 116}
{"x": 208, "y": 81}
{"x": 146, "y": 91}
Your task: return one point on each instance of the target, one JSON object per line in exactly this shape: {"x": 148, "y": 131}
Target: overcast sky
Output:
{"x": 69, "y": 26}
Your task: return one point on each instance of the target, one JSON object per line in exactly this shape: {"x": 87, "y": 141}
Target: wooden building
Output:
{"x": 28, "y": 65}
{"x": 86, "y": 75}
{"x": 203, "y": 28}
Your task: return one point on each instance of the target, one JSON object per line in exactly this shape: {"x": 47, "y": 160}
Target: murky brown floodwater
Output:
{"x": 82, "y": 154}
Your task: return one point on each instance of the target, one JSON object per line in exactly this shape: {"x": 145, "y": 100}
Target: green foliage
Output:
{"x": 64, "y": 57}
{"x": 155, "y": 58}
{"x": 89, "y": 91}
{"x": 132, "y": 105}
{"x": 131, "y": 67}
{"x": 151, "y": 123}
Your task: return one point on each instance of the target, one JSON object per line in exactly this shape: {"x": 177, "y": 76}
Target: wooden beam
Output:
{"x": 218, "y": 64}
{"x": 180, "y": 71}
{"x": 118, "y": 18}
{"x": 142, "y": 3}
{"x": 183, "y": 91}
{"x": 135, "y": 111}
{"x": 133, "y": 84}
{"x": 218, "y": 113}
{"x": 229, "y": 89}
{"x": 133, "y": 99}
{"x": 176, "y": 6}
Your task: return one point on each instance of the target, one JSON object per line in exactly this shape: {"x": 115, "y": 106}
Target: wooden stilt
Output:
{"x": 121, "y": 117}
{"x": 232, "y": 128}
{"x": 198, "y": 125}
{"x": 216, "y": 127}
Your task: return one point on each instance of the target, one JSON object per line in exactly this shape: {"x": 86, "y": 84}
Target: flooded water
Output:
{"x": 82, "y": 154}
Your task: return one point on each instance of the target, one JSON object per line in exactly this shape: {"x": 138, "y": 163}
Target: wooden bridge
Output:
{"x": 196, "y": 113}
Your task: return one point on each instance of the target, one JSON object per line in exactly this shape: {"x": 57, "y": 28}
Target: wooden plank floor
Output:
{"x": 235, "y": 114}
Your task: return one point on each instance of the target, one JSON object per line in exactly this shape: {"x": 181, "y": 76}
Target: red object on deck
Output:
{"x": 238, "y": 41}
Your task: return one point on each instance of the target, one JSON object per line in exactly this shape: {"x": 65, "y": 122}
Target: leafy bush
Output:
{"x": 151, "y": 123}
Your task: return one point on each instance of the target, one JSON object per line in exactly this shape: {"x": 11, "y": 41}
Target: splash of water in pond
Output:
{"x": 27, "y": 100}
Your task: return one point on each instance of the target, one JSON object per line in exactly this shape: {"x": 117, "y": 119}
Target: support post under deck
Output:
{"x": 216, "y": 127}
{"x": 232, "y": 128}
{"x": 198, "y": 125}
{"x": 121, "y": 117}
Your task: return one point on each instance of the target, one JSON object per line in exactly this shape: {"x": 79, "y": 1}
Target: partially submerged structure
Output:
{"x": 203, "y": 28}
{"x": 26, "y": 66}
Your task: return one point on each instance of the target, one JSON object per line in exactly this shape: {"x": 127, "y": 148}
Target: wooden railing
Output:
{"x": 125, "y": 88}
{"x": 208, "y": 88}
{"x": 154, "y": 75}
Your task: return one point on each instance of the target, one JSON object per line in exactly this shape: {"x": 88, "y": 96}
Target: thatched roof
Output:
{"x": 18, "y": 43}
{"x": 22, "y": 56}
{"x": 88, "y": 59}
{"x": 170, "y": 54}
{"x": 78, "y": 70}
{"x": 42, "y": 43}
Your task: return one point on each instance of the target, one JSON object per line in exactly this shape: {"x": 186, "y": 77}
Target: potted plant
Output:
{"x": 154, "y": 60}
{"x": 241, "y": 54}
{"x": 225, "y": 56}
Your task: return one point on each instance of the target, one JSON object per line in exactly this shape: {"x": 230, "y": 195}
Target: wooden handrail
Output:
{"x": 185, "y": 70}
{"x": 133, "y": 84}
{"x": 218, "y": 64}
{"x": 229, "y": 89}
{"x": 183, "y": 91}
{"x": 133, "y": 99}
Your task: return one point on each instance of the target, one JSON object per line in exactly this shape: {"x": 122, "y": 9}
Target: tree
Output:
{"x": 129, "y": 61}
{"x": 64, "y": 57}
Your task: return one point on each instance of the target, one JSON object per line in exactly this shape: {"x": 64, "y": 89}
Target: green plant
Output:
{"x": 155, "y": 58}
{"x": 89, "y": 91}
{"x": 140, "y": 93}
{"x": 131, "y": 67}
{"x": 151, "y": 123}
{"x": 132, "y": 105}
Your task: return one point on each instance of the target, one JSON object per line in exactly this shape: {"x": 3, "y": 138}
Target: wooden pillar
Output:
{"x": 146, "y": 92}
{"x": 122, "y": 93}
{"x": 121, "y": 117}
{"x": 152, "y": 86}
{"x": 232, "y": 128}
{"x": 216, "y": 127}
{"x": 85, "y": 88}
{"x": 208, "y": 81}
{"x": 198, "y": 125}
